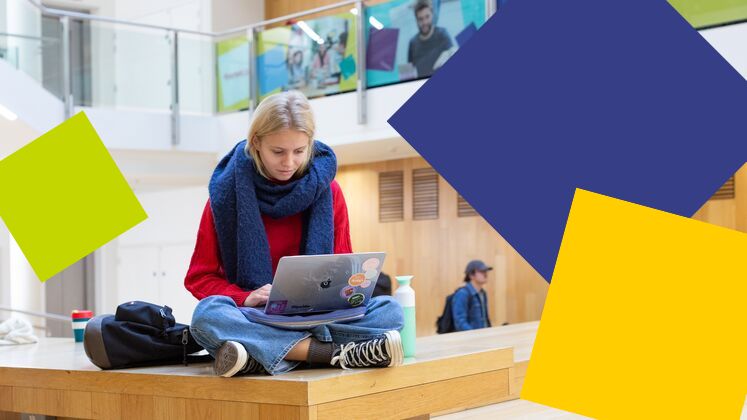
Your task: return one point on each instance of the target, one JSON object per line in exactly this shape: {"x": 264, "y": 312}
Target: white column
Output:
{"x": 26, "y": 291}
{"x": 4, "y": 270}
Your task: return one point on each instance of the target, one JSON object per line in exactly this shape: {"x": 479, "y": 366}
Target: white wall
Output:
{"x": 14, "y": 135}
{"x": 151, "y": 130}
{"x": 183, "y": 14}
{"x": 150, "y": 261}
{"x": 230, "y": 14}
{"x": 731, "y": 42}
{"x": 3, "y": 21}
{"x": 24, "y": 96}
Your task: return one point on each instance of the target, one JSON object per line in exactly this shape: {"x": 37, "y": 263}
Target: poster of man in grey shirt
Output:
{"x": 431, "y": 41}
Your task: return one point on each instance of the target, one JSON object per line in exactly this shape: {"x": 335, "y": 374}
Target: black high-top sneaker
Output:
{"x": 232, "y": 359}
{"x": 379, "y": 352}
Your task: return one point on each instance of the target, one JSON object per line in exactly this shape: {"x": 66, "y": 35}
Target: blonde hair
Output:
{"x": 285, "y": 110}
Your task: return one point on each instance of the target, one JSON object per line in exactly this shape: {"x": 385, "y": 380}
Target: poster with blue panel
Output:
{"x": 315, "y": 56}
{"x": 410, "y": 39}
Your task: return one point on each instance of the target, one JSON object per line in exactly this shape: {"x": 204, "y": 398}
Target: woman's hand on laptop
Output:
{"x": 259, "y": 296}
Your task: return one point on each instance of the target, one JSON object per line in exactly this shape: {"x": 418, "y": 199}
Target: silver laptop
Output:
{"x": 307, "y": 284}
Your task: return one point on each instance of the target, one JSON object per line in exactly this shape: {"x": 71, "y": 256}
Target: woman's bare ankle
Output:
{"x": 299, "y": 352}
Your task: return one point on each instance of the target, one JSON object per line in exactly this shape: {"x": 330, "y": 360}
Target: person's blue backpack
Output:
{"x": 139, "y": 334}
{"x": 445, "y": 322}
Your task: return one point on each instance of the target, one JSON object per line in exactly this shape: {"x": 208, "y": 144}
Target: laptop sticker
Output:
{"x": 371, "y": 264}
{"x": 356, "y": 299}
{"x": 347, "y": 291}
{"x": 277, "y": 306}
{"x": 357, "y": 279}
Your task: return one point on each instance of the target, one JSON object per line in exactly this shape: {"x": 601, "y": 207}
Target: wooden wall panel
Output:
{"x": 740, "y": 199}
{"x": 719, "y": 212}
{"x": 277, "y": 8}
{"x": 6, "y": 398}
{"x": 436, "y": 251}
{"x": 729, "y": 213}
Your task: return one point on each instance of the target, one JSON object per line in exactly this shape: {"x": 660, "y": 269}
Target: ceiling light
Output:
{"x": 310, "y": 32}
{"x": 375, "y": 23}
{"x": 8, "y": 114}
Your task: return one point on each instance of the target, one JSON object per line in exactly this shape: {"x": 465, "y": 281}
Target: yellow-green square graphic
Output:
{"x": 62, "y": 197}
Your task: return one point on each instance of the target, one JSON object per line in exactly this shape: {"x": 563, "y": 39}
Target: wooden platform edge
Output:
{"x": 381, "y": 380}
{"x": 244, "y": 389}
{"x": 467, "y": 391}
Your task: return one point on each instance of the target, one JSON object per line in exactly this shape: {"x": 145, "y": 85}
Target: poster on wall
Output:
{"x": 315, "y": 56}
{"x": 410, "y": 39}
{"x": 233, "y": 74}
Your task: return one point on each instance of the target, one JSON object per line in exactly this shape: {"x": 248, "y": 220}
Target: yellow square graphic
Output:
{"x": 645, "y": 317}
{"x": 63, "y": 197}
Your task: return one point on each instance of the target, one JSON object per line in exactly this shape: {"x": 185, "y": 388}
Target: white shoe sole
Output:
{"x": 394, "y": 347}
{"x": 230, "y": 359}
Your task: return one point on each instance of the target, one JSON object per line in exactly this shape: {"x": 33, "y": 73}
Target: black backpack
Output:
{"x": 445, "y": 322}
{"x": 139, "y": 334}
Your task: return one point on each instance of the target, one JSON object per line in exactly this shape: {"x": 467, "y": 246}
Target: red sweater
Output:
{"x": 206, "y": 277}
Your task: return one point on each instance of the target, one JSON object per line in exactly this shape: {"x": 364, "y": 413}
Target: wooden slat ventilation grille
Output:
{"x": 391, "y": 196}
{"x": 424, "y": 194}
{"x": 726, "y": 191}
{"x": 464, "y": 209}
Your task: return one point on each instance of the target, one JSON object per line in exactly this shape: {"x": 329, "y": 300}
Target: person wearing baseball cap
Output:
{"x": 470, "y": 303}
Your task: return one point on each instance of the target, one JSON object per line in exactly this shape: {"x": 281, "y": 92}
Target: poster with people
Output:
{"x": 315, "y": 56}
{"x": 411, "y": 39}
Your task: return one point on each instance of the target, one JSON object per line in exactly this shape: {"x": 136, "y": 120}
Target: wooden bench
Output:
{"x": 451, "y": 372}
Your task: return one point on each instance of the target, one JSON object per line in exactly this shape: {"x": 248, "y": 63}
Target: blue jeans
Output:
{"x": 217, "y": 319}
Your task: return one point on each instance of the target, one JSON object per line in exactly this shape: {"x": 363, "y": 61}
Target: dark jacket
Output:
{"x": 470, "y": 308}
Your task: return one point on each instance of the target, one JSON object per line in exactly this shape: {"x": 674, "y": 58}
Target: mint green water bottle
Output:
{"x": 405, "y": 296}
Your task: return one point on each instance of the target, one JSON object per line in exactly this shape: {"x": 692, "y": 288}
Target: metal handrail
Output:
{"x": 286, "y": 18}
{"x": 56, "y": 317}
{"x": 33, "y": 38}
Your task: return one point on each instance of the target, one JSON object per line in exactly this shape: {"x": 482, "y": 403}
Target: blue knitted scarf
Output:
{"x": 239, "y": 196}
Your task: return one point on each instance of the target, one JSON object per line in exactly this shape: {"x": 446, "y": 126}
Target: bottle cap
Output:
{"x": 404, "y": 280}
